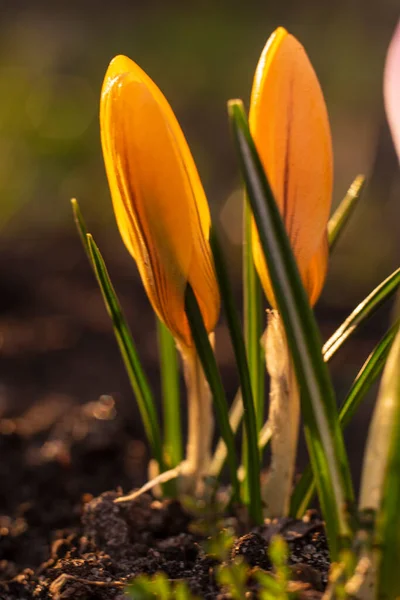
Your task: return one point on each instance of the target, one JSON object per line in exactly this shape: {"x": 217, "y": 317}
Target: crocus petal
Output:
{"x": 289, "y": 123}
{"x": 313, "y": 277}
{"x": 158, "y": 199}
{"x": 391, "y": 88}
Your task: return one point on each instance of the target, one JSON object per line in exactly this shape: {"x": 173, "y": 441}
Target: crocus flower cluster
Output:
{"x": 158, "y": 198}
{"x": 164, "y": 219}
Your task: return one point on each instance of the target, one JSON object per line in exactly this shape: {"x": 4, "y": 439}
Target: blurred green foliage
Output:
{"x": 233, "y": 574}
{"x": 52, "y": 60}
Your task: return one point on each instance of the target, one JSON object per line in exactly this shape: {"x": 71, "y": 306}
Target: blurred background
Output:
{"x": 56, "y": 344}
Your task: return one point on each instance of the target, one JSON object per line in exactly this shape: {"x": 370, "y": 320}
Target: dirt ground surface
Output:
{"x": 70, "y": 431}
{"x": 58, "y": 541}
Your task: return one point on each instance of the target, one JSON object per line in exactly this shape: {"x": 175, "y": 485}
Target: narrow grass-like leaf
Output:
{"x": 130, "y": 356}
{"x": 380, "y": 488}
{"x": 364, "y": 310}
{"x": 253, "y": 327}
{"x": 170, "y": 393}
{"x": 344, "y": 210}
{"x": 302, "y": 494}
{"x": 239, "y": 348}
{"x": 209, "y": 364}
{"x": 81, "y": 227}
{"x": 137, "y": 377}
{"x": 235, "y": 418}
{"x": 322, "y": 429}
{"x": 367, "y": 375}
{"x": 253, "y": 319}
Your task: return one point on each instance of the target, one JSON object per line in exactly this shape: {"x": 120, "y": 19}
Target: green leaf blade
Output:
{"x": 170, "y": 393}
{"x": 136, "y": 374}
{"x": 368, "y": 374}
{"x": 252, "y": 451}
{"x": 343, "y": 212}
{"x": 363, "y": 311}
{"x": 254, "y": 319}
{"x": 129, "y": 353}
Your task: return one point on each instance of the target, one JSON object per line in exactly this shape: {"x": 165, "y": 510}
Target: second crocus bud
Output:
{"x": 289, "y": 124}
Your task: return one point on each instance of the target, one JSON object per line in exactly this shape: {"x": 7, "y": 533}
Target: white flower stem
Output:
{"x": 283, "y": 419}
{"x": 200, "y": 423}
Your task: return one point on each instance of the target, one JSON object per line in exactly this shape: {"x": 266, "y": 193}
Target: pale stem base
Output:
{"x": 200, "y": 424}
{"x": 283, "y": 419}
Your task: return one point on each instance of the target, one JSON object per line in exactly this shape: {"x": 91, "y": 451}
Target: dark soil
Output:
{"x": 58, "y": 541}
{"x": 61, "y": 448}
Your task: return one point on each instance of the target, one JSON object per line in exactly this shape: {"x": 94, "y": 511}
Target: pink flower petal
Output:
{"x": 391, "y": 88}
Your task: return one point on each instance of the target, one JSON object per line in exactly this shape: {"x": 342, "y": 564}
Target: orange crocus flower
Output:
{"x": 289, "y": 124}
{"x": 159, "y": 202}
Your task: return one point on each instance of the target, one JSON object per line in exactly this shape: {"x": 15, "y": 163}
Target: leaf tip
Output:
{"x": 357, "y": 184}
{"x": 74, "y": 206}
{"x": 235, "y": 104}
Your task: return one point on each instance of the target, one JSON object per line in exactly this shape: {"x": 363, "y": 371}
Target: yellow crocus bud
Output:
{"x": 289, "y": 124}
{"x": 159, "y": 202}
